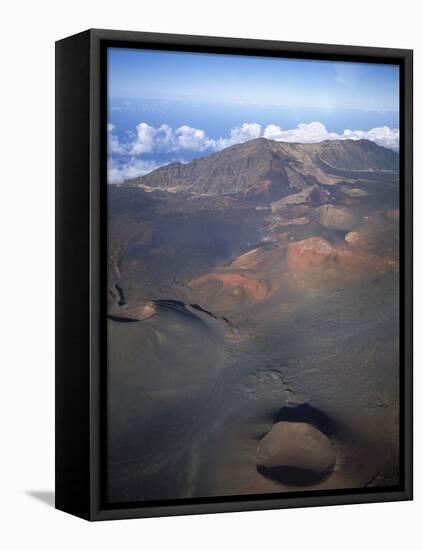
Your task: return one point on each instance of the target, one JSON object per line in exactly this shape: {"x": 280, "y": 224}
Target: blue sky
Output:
{"x": 167, "y": 106}
{"x": 136, "y": 74}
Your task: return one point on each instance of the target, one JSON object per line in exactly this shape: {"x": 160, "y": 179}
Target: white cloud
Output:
{"x": 315, "y": 132}
{"x": 165, "y": 139}
{"x": 114, "y": 147}
{"x": 249, "y": 130}
{"x": 133, "y": 168}
{"x": 191, "y": 139}
{"x": 145, "y": 139}
{"x": 384, "y": 136}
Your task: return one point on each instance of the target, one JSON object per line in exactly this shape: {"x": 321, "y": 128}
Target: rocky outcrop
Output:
{"x": 312, "y": 196}
{"x": 337, "y": 217}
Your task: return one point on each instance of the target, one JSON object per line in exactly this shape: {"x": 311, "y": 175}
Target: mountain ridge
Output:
{"x": 273, "y": 169}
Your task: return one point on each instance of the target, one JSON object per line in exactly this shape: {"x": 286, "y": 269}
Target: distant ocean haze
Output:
{"x": 216, "y": 119}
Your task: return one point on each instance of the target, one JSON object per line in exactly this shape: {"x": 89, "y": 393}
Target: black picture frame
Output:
{"x": 81, "y": 209}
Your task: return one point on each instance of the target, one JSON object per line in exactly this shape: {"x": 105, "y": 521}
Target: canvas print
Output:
{"x": 253, "y": 275}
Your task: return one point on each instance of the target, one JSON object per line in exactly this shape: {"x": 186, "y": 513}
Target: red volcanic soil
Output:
{"x": 249, "y": 260}
{"x": 310, "y": 263}
{"x": 317, "y": 254}
{"x": 139, "y": 312}
{"x": 234, "y": 283}
{"x": 312, "y": 252}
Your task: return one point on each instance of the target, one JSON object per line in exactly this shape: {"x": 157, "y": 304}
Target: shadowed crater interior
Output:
{"x": 306, "y": 413}
{"x": 291, "y": 475}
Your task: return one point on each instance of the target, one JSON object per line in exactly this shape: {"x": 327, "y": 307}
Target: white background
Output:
{"x": 28, "y": 32}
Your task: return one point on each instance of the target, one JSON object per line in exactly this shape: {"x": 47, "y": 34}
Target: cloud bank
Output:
{"x": 164, "y": 139}
{"x": 132, "y": 168}
{"x": 315, "y": 132}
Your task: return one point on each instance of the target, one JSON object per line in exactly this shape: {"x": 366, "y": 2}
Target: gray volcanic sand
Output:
{"x": 190, "y": 396}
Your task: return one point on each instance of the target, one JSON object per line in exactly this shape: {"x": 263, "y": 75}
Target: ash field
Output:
{"x": 253, "y": 323}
